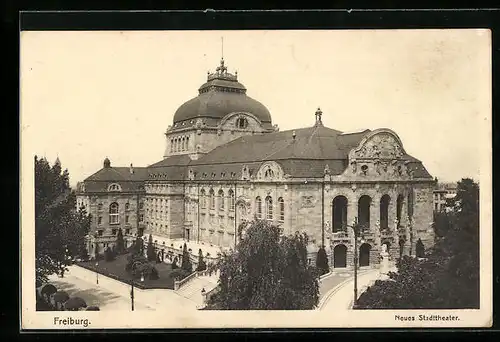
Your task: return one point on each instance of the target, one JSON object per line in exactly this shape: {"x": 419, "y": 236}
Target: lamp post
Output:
{"x": 356, "y": 228}
{"x": 132, "y": 290}
{"x": 96, "y": 273}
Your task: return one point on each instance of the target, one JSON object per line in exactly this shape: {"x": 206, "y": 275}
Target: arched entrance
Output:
{"x": 340, "y": 256}
{"x": 384, "y": 212}
{"x": 364, "y": 204}
{"x": 364, "y": 255}
{"x": 339, "y": 213}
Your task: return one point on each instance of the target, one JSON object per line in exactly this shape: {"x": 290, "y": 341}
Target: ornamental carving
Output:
{"x": 381, "y": 146}
{"x": 308, "y": 202}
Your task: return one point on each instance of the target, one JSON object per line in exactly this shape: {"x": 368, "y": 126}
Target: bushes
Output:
{"x": 151, "y": 249}
{"x": 322, "y": 261}
{"x": 50, "y": 300}
{"x": 138, "y": 265}
{"x": 179, "y": 274}
{"x": 202, "y": 265}
{"x": 186, "y": 260}
{"x": 109, "y": 254}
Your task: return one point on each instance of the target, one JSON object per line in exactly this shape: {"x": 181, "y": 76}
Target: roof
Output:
{"x": 217, "y": 104}
{"x": 113, "y": 174}
{"x": 302, "y": 153}
{"x": 313, "y": 143}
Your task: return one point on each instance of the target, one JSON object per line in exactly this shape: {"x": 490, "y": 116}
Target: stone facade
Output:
{"x": 220, "y": 171}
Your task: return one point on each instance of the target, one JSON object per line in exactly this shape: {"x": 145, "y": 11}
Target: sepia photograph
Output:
{"x": 187, "y": 179}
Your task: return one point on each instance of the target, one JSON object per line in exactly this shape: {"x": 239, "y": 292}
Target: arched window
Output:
{"x": 183, "y": 143}
{"x": 127, "y": 206}
{"x": 114, "y": 187}
{"x": 231, "y": 200}
{"x": 221, "y": 199}
{"x": 171, "y": 145}
{"x": 269, "y": 208}
{"x": 364, "y": 204}
{"x": 399, "y": 208}
{"x": 258, "y": 207}
{"x": 113, "y": 213}
{"x": 203, "y": 199}
{"x": 339, "y": 213}
{"x": 211, "y": 195}
{"x": 175, "y": 145}
{"x": 384, "y": 211}
{"x": 281, "y": 206}
{"x": 187, "y": 143}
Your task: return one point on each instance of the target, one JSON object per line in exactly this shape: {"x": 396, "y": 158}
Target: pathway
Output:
{"x": 93, "y": 294}
{"x": 340, "y": 298}
{"x": 82, "y": 279}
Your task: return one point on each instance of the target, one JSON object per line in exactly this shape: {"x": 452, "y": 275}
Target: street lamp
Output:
{"x": 357, "y": 230}
{"x": 96, "y": 273}
{"x": 132, "y": 290}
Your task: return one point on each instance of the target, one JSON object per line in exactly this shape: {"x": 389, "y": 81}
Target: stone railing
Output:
{"x": 208, "y": 294}
{"x": 179, "y": 283}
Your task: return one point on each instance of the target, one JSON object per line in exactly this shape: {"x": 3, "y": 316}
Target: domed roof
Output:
{"x": 222, "y": 94}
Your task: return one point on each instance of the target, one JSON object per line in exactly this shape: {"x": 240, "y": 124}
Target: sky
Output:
{"x": 90, "y": 95}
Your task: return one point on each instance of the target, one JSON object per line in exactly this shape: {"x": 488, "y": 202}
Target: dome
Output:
{"x": 222, "y": 94}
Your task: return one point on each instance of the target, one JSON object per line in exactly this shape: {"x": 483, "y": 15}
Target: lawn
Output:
{"x": 116, "y": 269}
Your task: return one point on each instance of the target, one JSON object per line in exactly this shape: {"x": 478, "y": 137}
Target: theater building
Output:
{"x": 226, "y": 163}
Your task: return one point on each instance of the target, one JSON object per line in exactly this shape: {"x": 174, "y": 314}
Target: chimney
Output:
{"x": 131, "y": 169}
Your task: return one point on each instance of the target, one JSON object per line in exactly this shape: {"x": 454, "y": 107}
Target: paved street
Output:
{"x": 94, "y": 294}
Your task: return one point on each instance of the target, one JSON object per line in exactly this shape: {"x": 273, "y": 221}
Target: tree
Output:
{"x": 120, "y": 244}
{"x": 448, "y": 278}
{"x": 109, "y": 254}
{"x": 201, "y": 262}
{"x": 267, "y": 271}
{"x": 59, "y": 227}
{"x": 420, "y": 249}
{"x": 151, "y": 249}
{"x": 322, "y": 261}
{"x": 186, "y": 260}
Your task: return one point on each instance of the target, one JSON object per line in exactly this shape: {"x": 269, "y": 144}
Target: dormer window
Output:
{"x": 241, "y": 123}
{"x": 114, "y": 187}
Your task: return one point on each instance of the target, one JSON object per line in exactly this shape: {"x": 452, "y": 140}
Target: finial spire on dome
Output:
{"x": 318, "y": 117}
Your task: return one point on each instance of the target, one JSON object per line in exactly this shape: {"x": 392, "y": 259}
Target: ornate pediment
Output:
{"x": 379, "y": 155}
{"x": 383, "y": 144}
{"x": 270, "y": 171}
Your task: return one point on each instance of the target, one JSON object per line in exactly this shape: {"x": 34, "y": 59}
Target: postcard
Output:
{"x": 256, "y": 179}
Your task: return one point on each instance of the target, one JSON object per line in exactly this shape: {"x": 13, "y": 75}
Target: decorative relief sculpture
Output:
{"x": 382, "y": 145}
{"x": 307, "y": 201}
{"x": 353, "y": 166}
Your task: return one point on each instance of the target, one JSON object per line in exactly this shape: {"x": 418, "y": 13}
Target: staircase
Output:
{"x": 192, "y": 289}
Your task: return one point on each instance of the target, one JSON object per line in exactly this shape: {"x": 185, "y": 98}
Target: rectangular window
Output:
{"x": 99, "y": 232}
{"x": 126, "y": 219}
{"x": 113, "y": 231}
{"x": 127, "y": 231}
{"x": 99, "y": 220}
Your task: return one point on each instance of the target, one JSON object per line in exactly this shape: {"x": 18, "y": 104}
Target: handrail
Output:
{"x": 179, "y": 283}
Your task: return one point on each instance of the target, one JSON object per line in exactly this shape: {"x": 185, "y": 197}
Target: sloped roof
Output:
{"x": 115, "y": 174}
{"x": 313, "y": 143}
